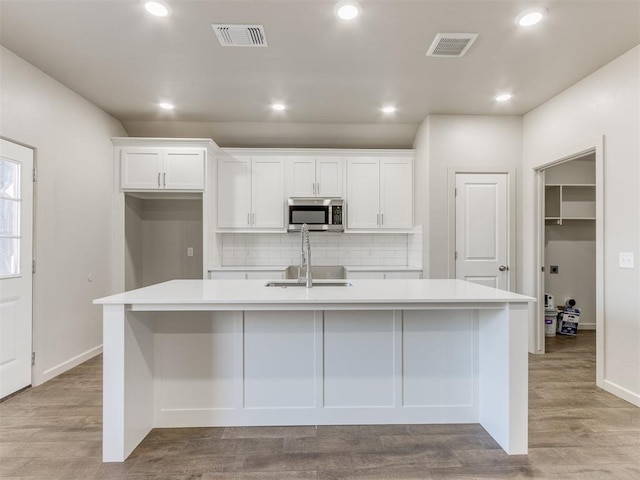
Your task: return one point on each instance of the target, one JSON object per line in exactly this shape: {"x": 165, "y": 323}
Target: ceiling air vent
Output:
{"x": 451, "y": 44}
{"x": 240, "y": 35}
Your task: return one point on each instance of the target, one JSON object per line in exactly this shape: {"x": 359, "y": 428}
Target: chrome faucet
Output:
{"x": 305, "y": 256}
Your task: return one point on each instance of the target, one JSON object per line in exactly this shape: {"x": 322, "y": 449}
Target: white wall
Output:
{"x": 572, "y": 247}
{"x": 605, "y": 103}
{"x": 73, "y": 228}
{"x": 461, "y": 141}
{"x": 169, "y": 228}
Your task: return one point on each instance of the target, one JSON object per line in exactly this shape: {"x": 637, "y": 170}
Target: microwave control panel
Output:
{"x": 336, "y": 214}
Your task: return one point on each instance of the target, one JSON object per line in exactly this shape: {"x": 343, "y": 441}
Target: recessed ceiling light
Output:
{"x": 159, "y": 8}
{"x": 388, "y": 109}
{"x": 166, "y": 106}
{"x": 503, "y": 97}
{"x": 278, "y": 107}
{"x": 347, "y": 9}
{"x": 530, "y": 17}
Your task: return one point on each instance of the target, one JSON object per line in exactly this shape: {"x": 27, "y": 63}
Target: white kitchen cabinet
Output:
{"x": 315, "y": 177}
{"x": 384, "y": 274}
{"x": 363, "y": 193}
{"x": 267, "y": 193}
{"x": 234, "y": 192}
{"x": 396, "y": 193}
{"x": 150, "y": 168}
{"x": 247, "y": 274}
{"x": 251, "y": 193}
{"x": 379, "y": 193}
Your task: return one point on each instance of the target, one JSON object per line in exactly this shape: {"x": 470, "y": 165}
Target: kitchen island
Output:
{"x": 190, "y": 353}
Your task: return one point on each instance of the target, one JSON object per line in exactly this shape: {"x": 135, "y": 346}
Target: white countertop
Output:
{"x": 364, "y": 294}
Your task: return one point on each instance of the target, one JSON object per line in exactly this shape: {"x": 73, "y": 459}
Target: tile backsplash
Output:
{"x": 326, "y": 249}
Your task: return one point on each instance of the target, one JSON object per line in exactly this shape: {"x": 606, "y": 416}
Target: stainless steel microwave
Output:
{"x": 320, "y": 214}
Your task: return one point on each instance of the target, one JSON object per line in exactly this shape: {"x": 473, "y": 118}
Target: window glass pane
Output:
{"x": 9, "y": 218}
{"x": 9, "y": 256}
{"x": 9, "y": 179}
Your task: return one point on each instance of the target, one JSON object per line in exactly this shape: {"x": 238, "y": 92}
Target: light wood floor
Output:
{"x": 576, "y": 431}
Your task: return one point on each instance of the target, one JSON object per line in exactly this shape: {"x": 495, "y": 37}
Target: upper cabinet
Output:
{"x": 253, "y": 186}
{"x": 379, "y": 193}
{"x": 149, "y": 168}
{"x": 251, "y": 193}
{"x": 314, "y": 177}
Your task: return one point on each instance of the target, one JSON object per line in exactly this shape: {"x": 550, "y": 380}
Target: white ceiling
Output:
{"x": 333, "y": 75}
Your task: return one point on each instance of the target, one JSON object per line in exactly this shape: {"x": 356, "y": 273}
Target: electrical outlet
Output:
{"x": 554, "y": 270}
{"x": 190, "y": 252}
{"x": 626, "y": 260}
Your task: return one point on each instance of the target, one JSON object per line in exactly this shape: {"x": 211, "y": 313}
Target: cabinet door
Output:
{"x": 396, "y": 193}
{"x": 329, "y": 177}
{"x": 183, "y": 170}
{"x": 363, "y": 193}
{"x": 235, "y": 275}
{"x": 365, "y": 275}
{"x": 267, "y": 193}
{"x": 234, "y": 192}
{"x": 401, "y": 275}
{"x": 301, "y": 176}
{"x": 141, "y": 169}
{"x": 265, "y": 275}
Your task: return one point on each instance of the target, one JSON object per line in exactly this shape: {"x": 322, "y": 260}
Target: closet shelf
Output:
{"x": 569, "y": 201}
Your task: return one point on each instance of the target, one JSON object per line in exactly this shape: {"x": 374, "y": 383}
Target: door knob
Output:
{"x": 503, "y": 268}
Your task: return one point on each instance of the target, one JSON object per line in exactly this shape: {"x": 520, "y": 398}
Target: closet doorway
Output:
{"x": 570, "y": 245}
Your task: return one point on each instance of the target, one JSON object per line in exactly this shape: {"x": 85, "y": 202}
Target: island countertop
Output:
{"x": 253, "y": 294}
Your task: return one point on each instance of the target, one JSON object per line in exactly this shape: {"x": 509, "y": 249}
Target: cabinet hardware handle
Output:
{"x": 158, "y": 178}
{"x": 164, "y": 179}
{"x": 318, "y": 188}
{"x": 253, "y": 219}
{"x": 381, "y": 219}
{"x": 377, "y": 219}
{"x": 313, "y": 187}
{"x": 503, "y": 268}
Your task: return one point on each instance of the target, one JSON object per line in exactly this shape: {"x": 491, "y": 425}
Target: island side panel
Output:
{"x": 128, "y": 407}
{"x": 503, "y": 376}
{"x": 198, "y": 367}
{"x": 280, "y": 362}
{"x": 359, "y": 359}
{"x": 440, "y": 358}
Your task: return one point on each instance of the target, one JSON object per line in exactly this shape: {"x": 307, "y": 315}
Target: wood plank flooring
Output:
{"x": 576, "y": 431}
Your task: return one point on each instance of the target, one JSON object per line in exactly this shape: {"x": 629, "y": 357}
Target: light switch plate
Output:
{"x": 626, "y": 260}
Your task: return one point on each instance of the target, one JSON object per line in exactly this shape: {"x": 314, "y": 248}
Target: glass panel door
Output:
{"x": 10, "y": 203}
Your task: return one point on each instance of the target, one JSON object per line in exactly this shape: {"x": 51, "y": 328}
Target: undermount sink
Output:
{"x": 314, "y": 284}
{"x": 319, "y": 272}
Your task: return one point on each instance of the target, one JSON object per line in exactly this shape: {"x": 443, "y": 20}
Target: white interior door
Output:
{"x": 16, "y": 239}
{"x": 482, "y": 233}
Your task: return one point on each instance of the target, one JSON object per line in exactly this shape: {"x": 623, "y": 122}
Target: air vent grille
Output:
{"x": 240, "y": 35}
{"x": 451, "y": 44}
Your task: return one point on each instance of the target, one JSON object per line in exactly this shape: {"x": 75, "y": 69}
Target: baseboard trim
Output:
{"x": 586, "y": 326}
{"x": 39, "y": 379}
{"x": 622, "y": 392}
